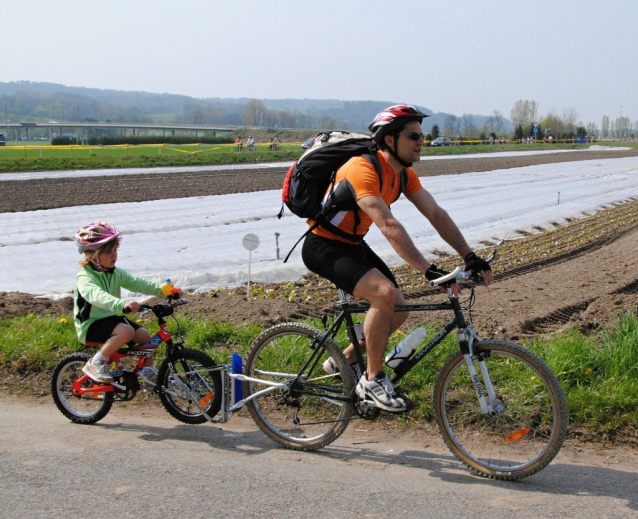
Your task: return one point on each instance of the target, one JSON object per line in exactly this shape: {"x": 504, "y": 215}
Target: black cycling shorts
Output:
{"x": 102, "y": 329}
{"x": 342, "y": 263}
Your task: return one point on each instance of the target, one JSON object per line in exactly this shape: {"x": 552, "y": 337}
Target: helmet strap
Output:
{"x": 94, "y": 260}
{"x": 97, "y": 265}
{"x": 394, "y": 153}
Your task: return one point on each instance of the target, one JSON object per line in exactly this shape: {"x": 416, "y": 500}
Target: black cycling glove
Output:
{"x": 476, "y": 264}
{"x": 435, "y": 273}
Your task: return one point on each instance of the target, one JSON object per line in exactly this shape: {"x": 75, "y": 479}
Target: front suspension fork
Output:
{"x": 482, "y": 384}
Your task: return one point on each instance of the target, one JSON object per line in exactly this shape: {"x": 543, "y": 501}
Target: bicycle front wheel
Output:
{"x": 302, "y": 407}
{"x": 194, "y": 378}
{"x": 87, "y": 408}
{"x": 526, "y": 424}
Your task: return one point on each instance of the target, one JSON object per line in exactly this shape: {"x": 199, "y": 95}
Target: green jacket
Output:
{"x": 97, "y": 295}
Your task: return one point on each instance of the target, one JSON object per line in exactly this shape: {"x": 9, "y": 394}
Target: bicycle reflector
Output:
{"x": 206, "y": 400}
{"x": 517, "y": 435}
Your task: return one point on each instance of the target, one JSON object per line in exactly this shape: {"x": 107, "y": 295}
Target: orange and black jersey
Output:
{"x": 360, "y": 179}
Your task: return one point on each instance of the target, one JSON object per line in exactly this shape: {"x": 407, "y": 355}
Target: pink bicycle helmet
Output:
{"x": 95, "y": 234}
{"x": 392, "y": 118}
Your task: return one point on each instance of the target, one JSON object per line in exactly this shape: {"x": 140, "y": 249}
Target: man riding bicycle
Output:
{"x": 355, "y": 268}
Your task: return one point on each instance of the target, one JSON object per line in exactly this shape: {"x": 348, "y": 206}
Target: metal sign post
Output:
{"x": 250, "y": 243}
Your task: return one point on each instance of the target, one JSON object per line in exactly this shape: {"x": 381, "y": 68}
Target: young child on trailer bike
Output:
{"x": 352, "y": 265}
{"x": 97, "y": 301}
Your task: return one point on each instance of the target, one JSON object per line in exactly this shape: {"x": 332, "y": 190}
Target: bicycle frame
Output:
{"x": 232, "y": 376}
{"x": 141, "y": 351}
{"x": 466, "y": 336}
{"x": 233, "y": 399}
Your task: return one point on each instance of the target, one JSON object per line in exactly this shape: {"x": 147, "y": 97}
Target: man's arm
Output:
{"x": 440, "y": 220}
{"x": 448, "y": 230}
{"x": 393, "y": 231}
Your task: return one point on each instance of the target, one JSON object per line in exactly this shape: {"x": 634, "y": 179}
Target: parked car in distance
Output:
{"x": 441, "y": 141}
{"x": 307, "y": 143}
{"x": 3, "y": 141}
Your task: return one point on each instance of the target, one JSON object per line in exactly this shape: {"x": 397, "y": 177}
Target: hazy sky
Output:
{"x": 458, "y": 57}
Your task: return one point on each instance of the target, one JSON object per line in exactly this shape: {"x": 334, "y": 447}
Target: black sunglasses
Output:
{"x": 413, "y": 136}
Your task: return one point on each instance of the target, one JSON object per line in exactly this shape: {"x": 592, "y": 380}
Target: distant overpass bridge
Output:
{"x": 23, "y": 129}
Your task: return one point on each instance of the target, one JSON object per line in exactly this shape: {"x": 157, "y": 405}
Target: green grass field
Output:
{"x": 36, "y": 156}
{"x": 34, "y": 150}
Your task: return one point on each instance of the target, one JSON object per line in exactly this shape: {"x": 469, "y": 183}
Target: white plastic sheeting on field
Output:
{"x": 197, "y": 242}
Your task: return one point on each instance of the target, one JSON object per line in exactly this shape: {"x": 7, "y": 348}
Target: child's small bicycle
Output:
{"x": 188, "y": 383}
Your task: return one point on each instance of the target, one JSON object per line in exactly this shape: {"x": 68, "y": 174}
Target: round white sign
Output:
{"x": 250, "y": 241}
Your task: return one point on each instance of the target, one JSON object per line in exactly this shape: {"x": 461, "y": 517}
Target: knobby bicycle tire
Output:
{"x": 84, "y": 409}
{"x": 193, "y": 368}
{"x": 526, "y": 432}
{"x": 311, "y": 411}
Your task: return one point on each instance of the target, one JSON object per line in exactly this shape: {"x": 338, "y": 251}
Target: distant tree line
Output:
{"x": 566, "y": 124}
{"x": 26, "y": 101}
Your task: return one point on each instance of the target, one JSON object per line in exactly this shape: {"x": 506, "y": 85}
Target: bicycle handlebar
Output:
{"x": 457, "y": 274}
{"x": 173, "y": 300}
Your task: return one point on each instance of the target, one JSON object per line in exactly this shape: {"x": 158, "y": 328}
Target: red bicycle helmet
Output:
{"x": 392, "y": 118}
{"x": 93, "y": 235}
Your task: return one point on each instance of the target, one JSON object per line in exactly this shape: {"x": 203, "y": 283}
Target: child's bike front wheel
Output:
{"x": 194, "y": 378}
{"x": 87, "y": 408}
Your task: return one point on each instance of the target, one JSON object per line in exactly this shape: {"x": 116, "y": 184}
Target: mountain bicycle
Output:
{"x": 188, "y": 382}
{"x": 498, "y": 406}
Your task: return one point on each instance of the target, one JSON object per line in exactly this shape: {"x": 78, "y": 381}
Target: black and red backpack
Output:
{"x": 308, "y": 189}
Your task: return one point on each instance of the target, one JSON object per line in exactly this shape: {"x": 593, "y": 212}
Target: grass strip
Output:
{"x": 599, "y": 373}
{"x": 54, "y": 158}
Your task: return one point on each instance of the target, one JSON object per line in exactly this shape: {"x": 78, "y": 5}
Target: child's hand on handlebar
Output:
{"x": 132, "y": 307}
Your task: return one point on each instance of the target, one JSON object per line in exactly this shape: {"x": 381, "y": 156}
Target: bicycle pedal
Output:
{"x": 368, "y": 404}
{"x": 408, "y": 402}
{"x": 150, "y": 388}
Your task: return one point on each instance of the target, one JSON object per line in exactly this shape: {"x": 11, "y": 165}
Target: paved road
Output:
{"x": 141, "y": 463}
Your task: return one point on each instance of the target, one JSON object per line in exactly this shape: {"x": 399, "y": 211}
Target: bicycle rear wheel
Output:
{"x": 193, "y": 368}
{"x": 88, "y": 408}
{"x": 529, "y": 422}
{"x": 312, "y": 408}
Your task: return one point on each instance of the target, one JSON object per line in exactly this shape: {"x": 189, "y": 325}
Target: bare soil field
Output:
{"x": 581, "y": 274}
